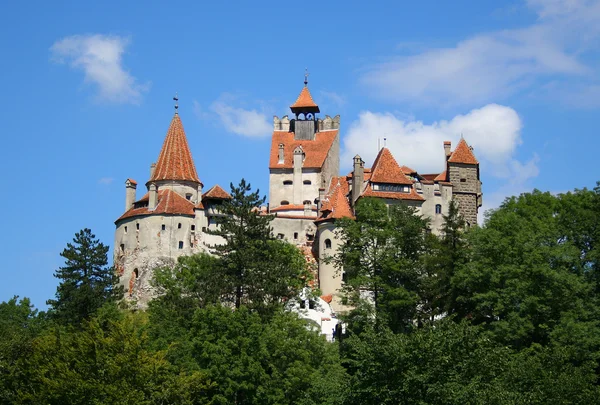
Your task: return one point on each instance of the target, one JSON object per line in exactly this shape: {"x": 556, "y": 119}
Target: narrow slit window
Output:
{"x": 193, "y": 227}
{"x": 438, "y": 208}
{"x": 163, "y": 227}
{"x": 137, "y": 226}
{"x": 180, "y": 244}
{"x": 179, "y": 225}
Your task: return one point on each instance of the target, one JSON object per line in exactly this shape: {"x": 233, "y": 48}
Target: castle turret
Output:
{"x": 463, "y": 173}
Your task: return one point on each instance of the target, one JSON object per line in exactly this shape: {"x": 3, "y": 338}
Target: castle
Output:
{"x": 306, "y": 196}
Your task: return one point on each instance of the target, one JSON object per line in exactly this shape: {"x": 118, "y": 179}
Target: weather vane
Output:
{"x": 306, "y": 76}
{"x": 176, "y": 100}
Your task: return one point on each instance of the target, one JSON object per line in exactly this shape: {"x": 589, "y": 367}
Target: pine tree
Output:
{"x": 86, "y": 283}
{"x": 259, "y": 271}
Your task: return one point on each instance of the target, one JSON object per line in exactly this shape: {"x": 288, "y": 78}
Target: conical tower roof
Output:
{"x": 463, "y": 154}
{"x": 175, "y": 161}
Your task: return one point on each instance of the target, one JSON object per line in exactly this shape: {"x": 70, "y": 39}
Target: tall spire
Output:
{"x": 175, "y": 160}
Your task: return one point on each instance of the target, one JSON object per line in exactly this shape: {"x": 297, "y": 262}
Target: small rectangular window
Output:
{"x": 122, "y": 248}
{"x": 295, "y": 235}
{"x": 180, "y": 244}
{"x": 193, "y": 227}
{"x": 163, "y": 227}
{"x": 137, "y": 226}
{"x": 179, "y": 225}
{"x": 125, "y": 229}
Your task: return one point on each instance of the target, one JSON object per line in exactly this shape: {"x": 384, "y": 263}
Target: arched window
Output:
{"x": 438, "y": 208}
{"x": 327, "y": 243}
{"x": 287, "y": 182}
{"x": 285, "y": 202}
{"x": 307, "y": 182}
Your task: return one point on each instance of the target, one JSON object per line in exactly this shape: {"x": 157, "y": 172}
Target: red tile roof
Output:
{"x": 441, "y": 177}
{"x": 169, "y": 202}
{"x": 463, "y": 154}
{"x": 408, "y": 170}
{"x": 175, "y": 160}
{"x": 336, "y": 203}
{"x": 315, "y": 151}
{"x": 132, "y": 181}
{"x": 430, "y": 177}
{"x": 386, "y": 169}
{"x": 369, "y": 192}
{"x": 304, "y": 100}
{"x": 217, "y": 193}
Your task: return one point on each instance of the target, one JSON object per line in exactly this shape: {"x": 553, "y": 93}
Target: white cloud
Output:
{"x": 252, "y": 123}
{"x": 100, "y": 58}
{"x": 106, "y": 180}
{"x": 494, "y": 65}
{"x": 494, "y": 132}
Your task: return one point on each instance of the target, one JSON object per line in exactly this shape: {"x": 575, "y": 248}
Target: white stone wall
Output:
{"x": 279, "y": 192}
{"x": 288, "y": 227}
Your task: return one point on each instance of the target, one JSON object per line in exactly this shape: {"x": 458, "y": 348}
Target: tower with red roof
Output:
{"x": 169, "y": 220}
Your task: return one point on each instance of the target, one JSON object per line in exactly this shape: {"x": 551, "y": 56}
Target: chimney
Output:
{"x": 281, "y": 157}
{"x": 152, "y": 168}
{"x": 152, "y": 197}
{"x": 447, "y": 146}
{"x": 358, "y": 174}
{"x": 130, "y": 187}
{"x": 307, "y": 208}
{"x": 321, "y": 197}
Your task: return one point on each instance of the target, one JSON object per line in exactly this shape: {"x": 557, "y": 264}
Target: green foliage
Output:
{"x": 255, "y": 270}
{"x": 97, "y": 365}
{"x": 523, "y": 275}
{"x": 502, "y": 314}
{"x": 86, "y": 282}
{"x": 382, "y": 254}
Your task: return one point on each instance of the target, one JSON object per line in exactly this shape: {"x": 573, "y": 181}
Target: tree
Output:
{"x": 524, "y": 276}
{"x": 381, "y": 257}
{"x": 256, "y": 270}
{"x": 86, "y": 282}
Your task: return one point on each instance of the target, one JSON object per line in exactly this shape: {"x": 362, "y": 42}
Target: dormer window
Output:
{"x": 281, "y": 157}
{"x": 188, "y": 196}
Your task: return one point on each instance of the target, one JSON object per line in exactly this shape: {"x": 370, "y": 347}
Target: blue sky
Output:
{"x": 87, "y": 99}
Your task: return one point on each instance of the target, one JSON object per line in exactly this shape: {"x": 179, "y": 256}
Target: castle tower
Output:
{"x": 168, "y": 221}
{"x": 463, "y": 173}
{"x": 304, "y": 157}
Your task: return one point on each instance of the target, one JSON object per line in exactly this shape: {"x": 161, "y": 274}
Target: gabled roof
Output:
{"x": 169, "y": 203}
{"x": 463, "y": 154}
{"x": 216, "y": 193}
{"x": 315, "y": 151}
{"x": 305, "y": 102}
{"x": 386, "y": 169}
{"x": 441, "y": 177}
{"x": 175, "y": 160}
{"x": 335, "y": 204}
